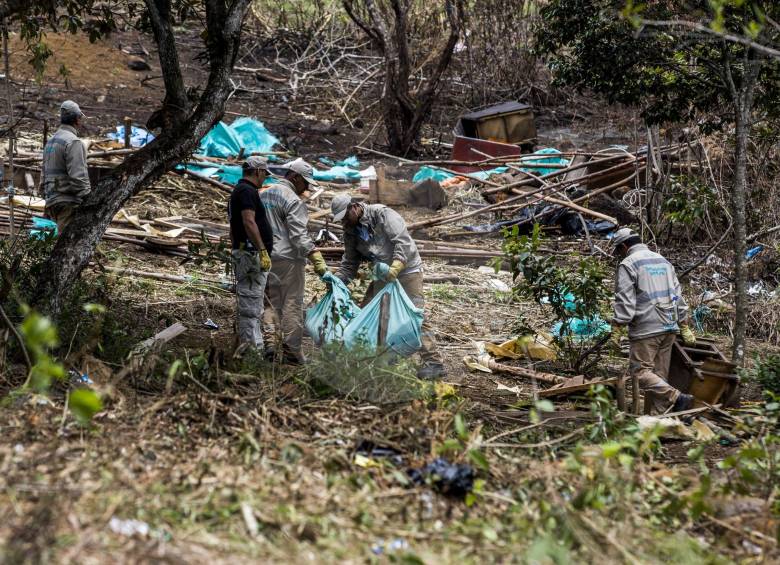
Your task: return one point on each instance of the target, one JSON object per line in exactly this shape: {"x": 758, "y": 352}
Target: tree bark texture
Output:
{"x": 404, "y": 111}
{"x": 742, "y": 94}
{"x": 76, "y": 244}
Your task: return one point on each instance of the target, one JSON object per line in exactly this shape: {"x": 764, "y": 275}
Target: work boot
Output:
{"x": 293, "y": 358}
{"x": 430, "y": 370}
{"x": 683, "y": 402}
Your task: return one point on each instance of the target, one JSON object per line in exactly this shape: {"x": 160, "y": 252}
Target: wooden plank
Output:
{"x": 560, "y": 391}
{"x": 384, "y": 319}
{"x": 159, "y": 339}
{"x": 388, "y": 191}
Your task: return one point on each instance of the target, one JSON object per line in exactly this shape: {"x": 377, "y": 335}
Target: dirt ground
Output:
{"x": 241, "y": 468}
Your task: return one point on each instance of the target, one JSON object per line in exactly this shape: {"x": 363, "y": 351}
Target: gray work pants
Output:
{"x": 649, "y": 360}
{"x": 284, "y": 319}
{"x": 250, "y": 288}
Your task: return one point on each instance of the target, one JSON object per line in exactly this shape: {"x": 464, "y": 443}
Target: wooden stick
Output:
{"x": 204, "y": 178}
{"x": 128, "y": 131}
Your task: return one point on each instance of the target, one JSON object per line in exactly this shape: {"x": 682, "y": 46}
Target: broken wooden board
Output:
{"x": 388, "y": 191}
{"x": 563, "y": 389}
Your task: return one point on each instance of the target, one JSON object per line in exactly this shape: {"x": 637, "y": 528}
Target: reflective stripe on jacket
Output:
{"x": 648, "y": 296}
{"x": 386, "y": 239}
{"x": 65, "y": 176}
{"x": 287, "y": 215}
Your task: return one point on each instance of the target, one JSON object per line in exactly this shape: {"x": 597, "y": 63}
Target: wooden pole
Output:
{"x": 128, "y": 132}
{"x": 384, "y": 320}
{"x": 9, "y": 96}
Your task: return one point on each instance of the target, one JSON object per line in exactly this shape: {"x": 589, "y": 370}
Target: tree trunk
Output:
{"x": 76, "y": 244}
{"x": 404, "y": 111}
{"x": 738, "y": 203}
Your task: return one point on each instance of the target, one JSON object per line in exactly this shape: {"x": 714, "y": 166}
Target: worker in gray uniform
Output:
{"x": 376, "y": 233}
{"x": 649, "y": 300}
{"x": 252, "y": 242}
{"x": 65, "y": 179}
{"x": 292, "y": 247}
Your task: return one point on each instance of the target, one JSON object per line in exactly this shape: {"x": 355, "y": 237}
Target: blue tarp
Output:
{"x": 337, "y": 172}
{"x": 227, "y": 140}
{"x": 351, "y": 162}
{"x": 138, "y": 136}
{"x": 555, "y": 159}
{"x": 548, "y": 155}
{"x": 581, "y": 328}
{"x": 327, "y": 320}
{"x": 42, "y": 227}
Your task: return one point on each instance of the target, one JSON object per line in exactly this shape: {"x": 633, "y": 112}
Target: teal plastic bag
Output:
{"x": 404, "y": 330}
{"x": 327, "y": 320}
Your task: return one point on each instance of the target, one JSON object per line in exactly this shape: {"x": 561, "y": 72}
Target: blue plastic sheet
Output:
{"x": 327, "y": 320}
{"x": 351, "y": 162}
{"x": 227, "y": 140}
{"x": 337, "y": 172}
{"x": 548, "y": 155}
{"x": 138, "y": 136}
{"x": 555, "y": 159}
{"x": 42, "y": 227}
{"x": 404, "y": 329}
{"x": 753, "y": 251}
{"x": 426, "y": 173}
{"x": 581, "y": 328}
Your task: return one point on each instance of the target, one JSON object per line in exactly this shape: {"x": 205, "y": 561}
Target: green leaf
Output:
{"x": 610, "y": 449}
{"x": 93, "y": 308}
{"x": 450, "y": 445}
{"x": 545, "y": 406}
{"x": 84, "y": 403}
{"x": 478, "y": 458}
{"x": 460, "y": 427}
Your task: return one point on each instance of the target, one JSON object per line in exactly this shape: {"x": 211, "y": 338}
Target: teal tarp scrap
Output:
{"x": 227, "y": 140}
{"x": 327, "y": 320}
{"x": 42, "y": 227}
{"x": 554, "y": 159}
{"x": 433, "y": 173}
{"x": 484, "y": 175}
{"x": 337, "y": 172}
{"x": 404, "y": 331}
{"x": 426, "y": 173}
{"x": 582, "y": 328}
{"x": 351, "y": 162}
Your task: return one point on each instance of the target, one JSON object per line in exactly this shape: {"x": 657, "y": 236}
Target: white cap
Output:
{"x": 302, "y": 168}
{"x": 622, "y": 235}
{"x": 256, "y": 162}
{"x": 339, "y": 206}
{"x": 70, "y": 108}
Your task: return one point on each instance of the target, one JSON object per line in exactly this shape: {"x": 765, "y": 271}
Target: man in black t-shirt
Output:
{"x": 252, "y": 242}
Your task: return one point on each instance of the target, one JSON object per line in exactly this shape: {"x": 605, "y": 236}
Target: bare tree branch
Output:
{"x": 701, "y": 28}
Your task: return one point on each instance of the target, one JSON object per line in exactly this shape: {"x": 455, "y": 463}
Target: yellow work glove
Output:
{"x": 318, "y": 262}
{"x": 687, "y": 335}
{"x": 265, "y": 261}
{"x": 396, "y": 267}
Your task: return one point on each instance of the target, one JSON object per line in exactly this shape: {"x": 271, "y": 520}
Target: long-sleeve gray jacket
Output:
{"x": 288, "y": 217}
{"x": 648, "y": 296}
{"x": 381, "y": 236}
{"x": 65, "y": 176}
